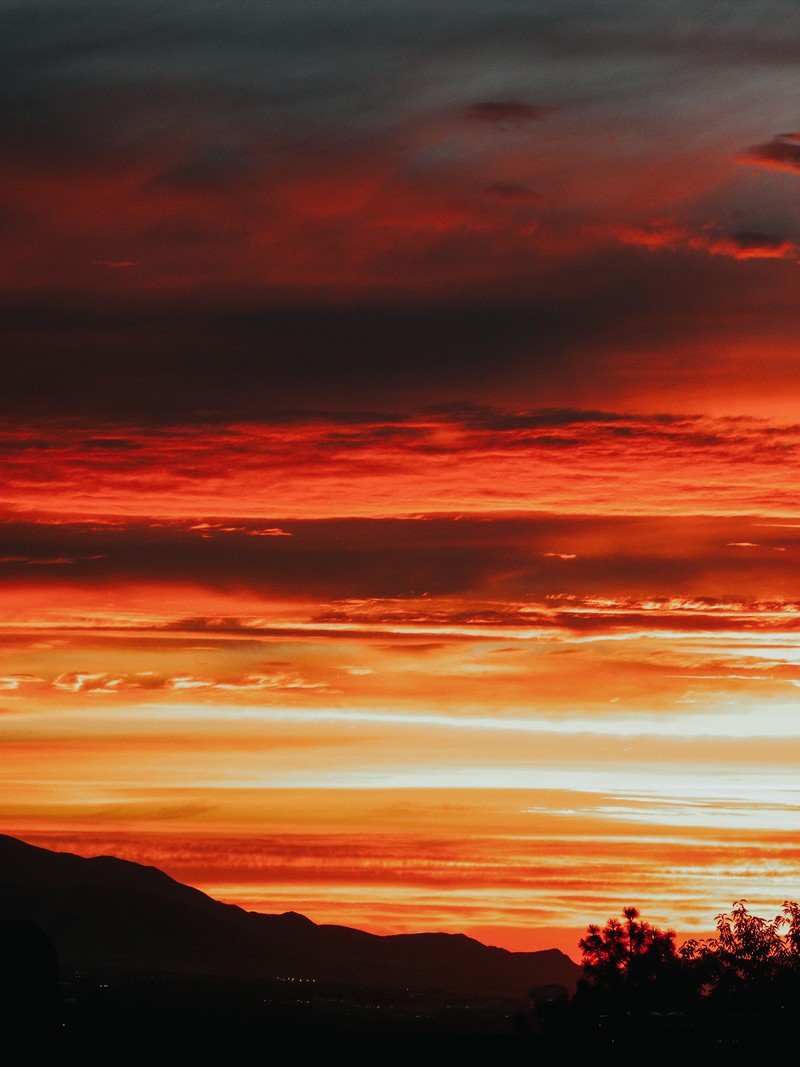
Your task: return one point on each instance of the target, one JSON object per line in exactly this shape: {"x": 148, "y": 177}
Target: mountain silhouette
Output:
{"x": 110, "y": 916}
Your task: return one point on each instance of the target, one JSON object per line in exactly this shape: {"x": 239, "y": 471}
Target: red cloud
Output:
{"x": 781, "y": 153}
{"x": 742, "y": 245}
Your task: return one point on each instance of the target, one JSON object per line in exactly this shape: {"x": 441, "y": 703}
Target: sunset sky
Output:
{"x": 400, "y": 438}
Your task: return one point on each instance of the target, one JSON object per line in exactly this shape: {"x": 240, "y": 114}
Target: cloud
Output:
{"x": 749, "y": 245}
{"x": 117, "y": 264}
{"x": 214, "y": 486}
{"x": 447, "y": 560}
{"x": 79, "y": 681}
{"x": 215, "y": 168}
{"x": 511, "y": 193}
{"x": 742, "y": 245}
{"x": 290, "y": 223}
{"x": 209, "y": 529}
{"x": 507, "y": 112}
{"x": 109, "y": 682}
{"x": 781, "y": 153}
{"x": 581, "y": 616}
{"x": 580, "y": 331}
{"x": 10, "y": 682}
{"x": 256, "y": 193}
{"x": 52, "y": 561}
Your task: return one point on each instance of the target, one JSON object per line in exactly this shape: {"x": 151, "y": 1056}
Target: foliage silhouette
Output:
{"x": 629, "y": 965}
{"x": 752, "y": 964}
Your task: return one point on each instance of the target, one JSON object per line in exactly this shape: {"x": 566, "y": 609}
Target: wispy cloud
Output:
{"x": 780, "y": 153}
{"x": 740, "y": 245}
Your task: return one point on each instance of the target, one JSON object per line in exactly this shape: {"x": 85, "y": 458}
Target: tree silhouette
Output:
{"x": 751, "y": 965}
{"x": 738, "y": 990}
{"x": 629, "y": 964}
{"x": 752, "y": 961}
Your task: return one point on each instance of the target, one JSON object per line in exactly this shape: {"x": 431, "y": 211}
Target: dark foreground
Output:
{"x": 103, "y": 1020}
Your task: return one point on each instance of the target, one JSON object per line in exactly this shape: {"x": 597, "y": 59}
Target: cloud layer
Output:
{"x": 399, "y": 446}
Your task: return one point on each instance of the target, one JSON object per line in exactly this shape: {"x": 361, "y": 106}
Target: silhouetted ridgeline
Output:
{"x": 128, "y": 935}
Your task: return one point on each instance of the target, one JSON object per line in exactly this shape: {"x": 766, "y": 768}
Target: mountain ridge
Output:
{"x": 110, "y": 915}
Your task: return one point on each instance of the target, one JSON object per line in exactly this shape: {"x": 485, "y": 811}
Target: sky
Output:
{"x": 400, "y": 451}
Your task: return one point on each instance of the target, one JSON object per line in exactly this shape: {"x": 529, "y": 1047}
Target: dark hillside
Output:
{"x": 107, "y": 915}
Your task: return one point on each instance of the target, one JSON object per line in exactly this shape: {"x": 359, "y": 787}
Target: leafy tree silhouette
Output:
{"x": 752, "y": 962}
{"x": 736, "y": 991}
{"x": 629, "y": 965}
{"x": 751, "y": 966}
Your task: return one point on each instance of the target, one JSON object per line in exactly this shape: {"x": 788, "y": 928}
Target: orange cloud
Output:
{"x": 743, "y": 245}
{"x": 470, "y": 459}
